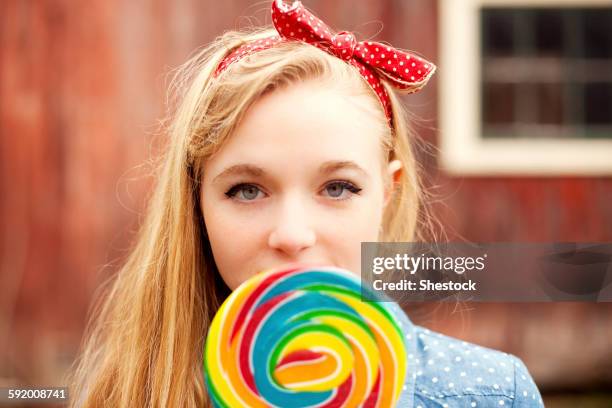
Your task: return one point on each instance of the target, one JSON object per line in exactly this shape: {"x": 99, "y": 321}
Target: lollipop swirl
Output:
{"x": 302, "y": 337}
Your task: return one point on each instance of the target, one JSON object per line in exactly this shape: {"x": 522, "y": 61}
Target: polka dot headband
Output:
{"x": 374, "y": 61}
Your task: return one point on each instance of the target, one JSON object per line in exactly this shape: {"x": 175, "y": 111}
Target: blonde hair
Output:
{"x": 143, "y": 345}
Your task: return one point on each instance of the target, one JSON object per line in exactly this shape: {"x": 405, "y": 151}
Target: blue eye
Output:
{"x": 244, "y": 192}
{"x": 337, "y": 189}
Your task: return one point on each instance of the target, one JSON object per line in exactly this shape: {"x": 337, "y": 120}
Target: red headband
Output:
{"x": 375, "y": 61}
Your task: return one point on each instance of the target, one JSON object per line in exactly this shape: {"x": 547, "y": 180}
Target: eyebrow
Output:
{"x": 240, "y": 169}
{"x": 332, "y": 166}
{"x": 255, "y": 171}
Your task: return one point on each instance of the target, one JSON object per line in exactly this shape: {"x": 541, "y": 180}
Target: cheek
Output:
{"x": 367, "y": 223}
{"x": 343, "y": 234}
{"x": 360, "y": 224}
{"x": 234, "y": 240}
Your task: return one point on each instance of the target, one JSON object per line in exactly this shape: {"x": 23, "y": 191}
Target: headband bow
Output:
{"x": 374, "y": 60}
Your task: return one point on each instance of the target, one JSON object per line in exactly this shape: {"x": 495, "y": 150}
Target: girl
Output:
{"x": 287, "y": 145}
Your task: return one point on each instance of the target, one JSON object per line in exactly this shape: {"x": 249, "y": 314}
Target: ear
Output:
{"x": 394, "y": 172}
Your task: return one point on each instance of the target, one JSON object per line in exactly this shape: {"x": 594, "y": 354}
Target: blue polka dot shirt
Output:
{"x": 444, "y": 372}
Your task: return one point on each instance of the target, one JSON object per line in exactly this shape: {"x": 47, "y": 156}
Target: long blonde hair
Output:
{"x": 143, "y": 345}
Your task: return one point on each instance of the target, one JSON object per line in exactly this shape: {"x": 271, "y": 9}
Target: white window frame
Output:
{"x": 462, "y": 149}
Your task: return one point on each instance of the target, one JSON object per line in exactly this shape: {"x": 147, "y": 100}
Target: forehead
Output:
{"x": 304, "y": 123}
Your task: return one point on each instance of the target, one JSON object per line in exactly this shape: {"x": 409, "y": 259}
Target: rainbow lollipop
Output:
{"x": 302, "y": 337}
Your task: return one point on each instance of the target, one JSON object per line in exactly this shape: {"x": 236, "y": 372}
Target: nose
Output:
{"x": 292, "y": 232}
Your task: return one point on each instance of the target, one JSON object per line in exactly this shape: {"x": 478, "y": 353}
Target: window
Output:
{"x": 526, "y": 86}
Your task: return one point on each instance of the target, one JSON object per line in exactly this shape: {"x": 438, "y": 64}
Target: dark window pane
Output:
{"x": 549, "y": 32}
{"x": 550, "y": 103}
{"x": 498, "y": 103}
{"x": 524, "y": 20}
{"x": 597, "y": 33}
{"x": 598, "y": 103}
{"x": 497, "y": 31}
